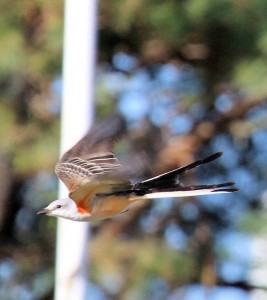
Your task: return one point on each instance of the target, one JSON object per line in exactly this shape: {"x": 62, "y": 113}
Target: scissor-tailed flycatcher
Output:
{"x": 98, "y": 188}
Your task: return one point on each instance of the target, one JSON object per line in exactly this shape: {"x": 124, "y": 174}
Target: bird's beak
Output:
{"x": 43, "y": 211}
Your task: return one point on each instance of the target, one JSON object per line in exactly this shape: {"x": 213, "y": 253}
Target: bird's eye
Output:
{"x": 59, "y": 206}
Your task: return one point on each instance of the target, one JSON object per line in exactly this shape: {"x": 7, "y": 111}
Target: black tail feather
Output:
{"x": 170, "y": 181}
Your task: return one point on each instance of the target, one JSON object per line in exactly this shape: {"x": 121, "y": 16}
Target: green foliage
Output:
{"x": 233, "y": 33}
{"x": 31, "y": 32}
{"x": 251, "y": 76}
{"x": 137, "y": 262}
{"x": 254, "y": 222}
{"x": 40, "y": 152}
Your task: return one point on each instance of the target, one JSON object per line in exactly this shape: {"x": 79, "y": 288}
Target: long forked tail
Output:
{"x": 169, "y": 184}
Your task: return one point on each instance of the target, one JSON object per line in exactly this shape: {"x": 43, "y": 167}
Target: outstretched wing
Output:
{"x": 90, "y": 159}
{"x": 77, "y": 171}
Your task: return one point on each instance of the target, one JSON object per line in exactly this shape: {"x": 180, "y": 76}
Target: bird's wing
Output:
{"x": 90, "y": 166}
{"x": 77, "y": 171}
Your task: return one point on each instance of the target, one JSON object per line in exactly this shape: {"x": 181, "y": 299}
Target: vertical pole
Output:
{"x": 77, "y": 113}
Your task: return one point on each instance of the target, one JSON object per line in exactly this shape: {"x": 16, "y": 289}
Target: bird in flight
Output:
{"x": 99, "y": 189}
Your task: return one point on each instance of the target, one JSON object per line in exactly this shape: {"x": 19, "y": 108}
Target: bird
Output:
{"x": 98, "y": 186}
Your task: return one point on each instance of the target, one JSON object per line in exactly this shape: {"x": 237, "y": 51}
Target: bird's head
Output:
{"x": 64, "y": 208}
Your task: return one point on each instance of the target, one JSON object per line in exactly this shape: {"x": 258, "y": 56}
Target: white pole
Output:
{"x": 77, "y": 112}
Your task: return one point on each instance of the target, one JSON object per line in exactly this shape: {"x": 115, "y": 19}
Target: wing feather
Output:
{"x": 91, "y": 158}
{"x": 78, "y": 170}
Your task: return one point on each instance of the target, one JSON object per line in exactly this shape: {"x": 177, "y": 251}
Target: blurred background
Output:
{"x": 190, "y": 78}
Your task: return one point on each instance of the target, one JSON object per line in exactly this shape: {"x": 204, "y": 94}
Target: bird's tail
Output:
{"x": 169, "y": 184}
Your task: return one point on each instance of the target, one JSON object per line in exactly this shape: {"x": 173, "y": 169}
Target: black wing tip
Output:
{"x": 114, "y": 123}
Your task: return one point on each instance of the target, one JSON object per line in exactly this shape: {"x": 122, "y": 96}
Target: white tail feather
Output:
{"x": 176, "y": 194}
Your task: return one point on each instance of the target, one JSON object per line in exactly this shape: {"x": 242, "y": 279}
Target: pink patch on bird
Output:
{"x": 82, "y": 211}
